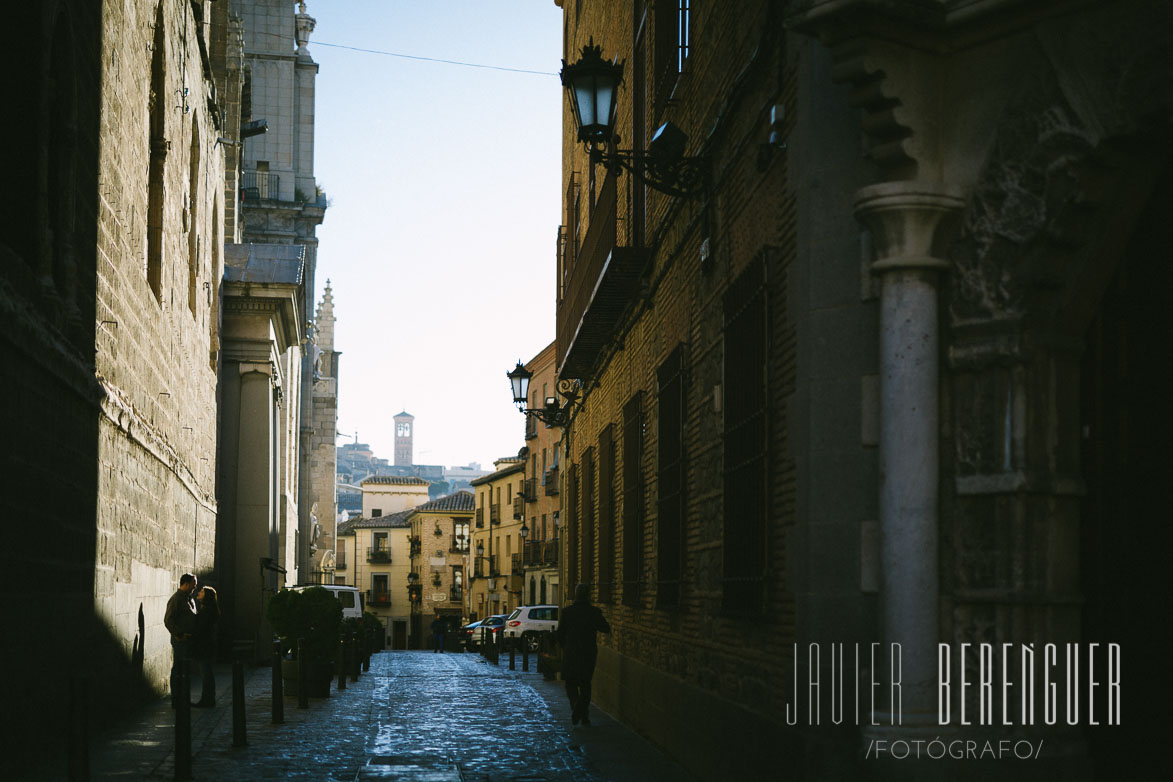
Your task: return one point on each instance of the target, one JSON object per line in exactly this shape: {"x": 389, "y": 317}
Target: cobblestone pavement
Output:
{"x": 414, "y": 716}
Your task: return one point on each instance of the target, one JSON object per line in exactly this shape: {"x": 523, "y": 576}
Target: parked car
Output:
{"x": 527, "y": 624}
{"x": 465, "y": 634}
{"x": 494, "y": 624}
{"x": 350, "y": 598}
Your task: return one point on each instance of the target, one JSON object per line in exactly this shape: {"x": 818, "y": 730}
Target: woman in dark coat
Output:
{"x": 576, "y": 634}
{"x": 204, "y": 647}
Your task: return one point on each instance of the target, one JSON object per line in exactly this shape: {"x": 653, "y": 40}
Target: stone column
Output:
{"x": 905, "y": 218}
{"x": 255, "y": 498}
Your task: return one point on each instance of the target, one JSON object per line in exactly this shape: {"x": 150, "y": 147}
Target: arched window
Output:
{"x": 158, "y": 152}
{"x": 193, "y": 234}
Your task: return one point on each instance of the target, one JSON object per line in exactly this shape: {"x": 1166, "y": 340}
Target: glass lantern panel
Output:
{"x": 584, "y": 97}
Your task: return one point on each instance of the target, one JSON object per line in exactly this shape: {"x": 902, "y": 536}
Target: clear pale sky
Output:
{"x": 445, "y": 189}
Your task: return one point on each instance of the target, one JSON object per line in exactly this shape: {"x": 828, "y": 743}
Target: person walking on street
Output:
{"x": 576, "y": 634}
{"x": 439, "y": 627}
{"x": 180, "y": 621}
{"x": 204, "y": 644}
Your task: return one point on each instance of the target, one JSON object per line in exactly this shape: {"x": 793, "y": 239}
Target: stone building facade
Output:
{"x": 374, "y": 555}
{"x": 108, "y": 311}
{"x": 495, "y": 577}
{"x": 257, "y": 535}
{"x": 871, "y": 385}
{"x": 385, "y": 494}
{"x": 439, "y": 545}
{"x": 281, "y": 202}
{"x": 541, "y": 502}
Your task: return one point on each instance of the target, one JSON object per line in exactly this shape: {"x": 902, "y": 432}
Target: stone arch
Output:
{"x": 1066, "y": 211}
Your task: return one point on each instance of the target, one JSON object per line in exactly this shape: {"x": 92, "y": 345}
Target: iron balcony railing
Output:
{"x": 378, "y": 597}
{"x": 494, "y": 514}
{"x": 379, "y": 554}
{"x": 540, "y": 552}
{"x": 519, "y": 506}
{"x": 530, "y": 490}
{"x": 259, "y": 186}
{"x": 340, "y": 561}
{"x": 480, "y": 520}
{"x": 551, "y": 481}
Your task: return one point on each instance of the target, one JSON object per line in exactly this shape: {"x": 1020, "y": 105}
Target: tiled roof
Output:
{"x": 404, "y": 414}
{"x": 460, "y": 501}
{"x": 391, "y": 520}
{"x": 519, "y": 467}
{"x": 396, "y": 480}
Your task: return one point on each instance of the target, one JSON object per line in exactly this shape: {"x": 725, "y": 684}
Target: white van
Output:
{"x": 348, "y": 596}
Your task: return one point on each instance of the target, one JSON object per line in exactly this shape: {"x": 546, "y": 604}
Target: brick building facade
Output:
{"x": 870, "y": 385}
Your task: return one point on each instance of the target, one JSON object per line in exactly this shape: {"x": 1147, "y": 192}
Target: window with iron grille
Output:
{"x": 633, "y": 497}
{"x": 745, "y": 441}
{"x": 673, "y": 40}
{"x": 606, "y": 512}
{"x": 587, "y": 523}
{"x": 670, "y": 473}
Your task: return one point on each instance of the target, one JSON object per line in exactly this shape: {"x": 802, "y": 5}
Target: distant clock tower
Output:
{"x": 403, "y": 434}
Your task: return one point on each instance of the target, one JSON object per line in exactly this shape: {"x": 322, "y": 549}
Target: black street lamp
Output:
{"x": 552, "y": 413}
{"x": 592, "y": 84}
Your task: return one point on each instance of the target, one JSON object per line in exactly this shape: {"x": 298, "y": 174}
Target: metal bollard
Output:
{"x": 79, "y": 741}
{"x": 183, "y": 722}
{"x": 524, "y": 654}
{"x": 512, "y": 654}
{"x": 366, "y": 649}
{"x": 484, "y": 650}
{"x": 496, "y": 650}
{"x": 342, "y": 663}
{"x": 355, "y": 659}
{"x": 303, "y": 676}
{"x": 239, "y": 739}
{"x": 278, "y": 685}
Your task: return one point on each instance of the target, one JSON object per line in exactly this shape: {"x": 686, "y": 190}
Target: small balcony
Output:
{"x": 340, "y": 560}
{"x": 519, "y": 507}
{"x": 551, "y": 482}
{"x": 530, "y": 490}
{"x": 539, "y": 553}
{"x": 602, "y": 282}
{"x": 480, "y": 518}
{"x": 259, "y": 186}
{"x": 378, "y": 597}
{"x": 378, "y": 555}
{"x": 494, "y": 514}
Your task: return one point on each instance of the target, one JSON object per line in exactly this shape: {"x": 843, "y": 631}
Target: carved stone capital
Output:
{"x": 909, "y": 222}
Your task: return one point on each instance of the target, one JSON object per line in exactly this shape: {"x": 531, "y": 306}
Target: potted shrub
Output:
{"x": 315, "y": 617}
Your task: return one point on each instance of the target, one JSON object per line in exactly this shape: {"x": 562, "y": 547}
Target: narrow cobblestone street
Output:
{"x": 413, "y": 716}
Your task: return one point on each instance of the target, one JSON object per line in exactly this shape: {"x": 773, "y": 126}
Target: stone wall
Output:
{"x": 112, "y": 392}
{"x": 157, "y": 444}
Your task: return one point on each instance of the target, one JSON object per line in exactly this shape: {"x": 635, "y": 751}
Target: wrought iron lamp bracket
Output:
{"x": 682, "y": 177}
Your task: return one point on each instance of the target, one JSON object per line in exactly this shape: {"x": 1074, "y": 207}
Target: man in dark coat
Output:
{"x": 180, "y": 621}
{"x": 576, "y": 634}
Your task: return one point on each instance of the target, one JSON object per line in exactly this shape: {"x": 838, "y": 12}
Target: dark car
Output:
{"x": 494, "y": 624}
{"x": 465, "y": 634}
